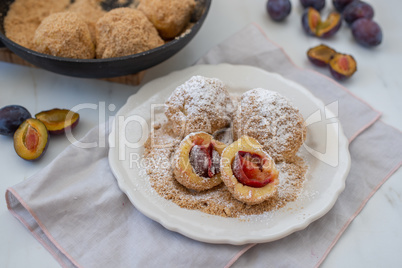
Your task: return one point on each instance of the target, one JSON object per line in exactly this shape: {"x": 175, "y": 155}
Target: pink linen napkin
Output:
{"x": 76, "y": 210}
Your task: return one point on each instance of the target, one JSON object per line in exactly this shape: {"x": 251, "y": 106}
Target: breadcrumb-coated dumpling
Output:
{"x": 24, "y": 17}
{"x": 272, "y": 120}
{"x": 200, "y": 104}
{"x": 64, "y": 34}
{"x": 90, "y": 11}
{"x": 170, "y": 17}
{"x": 125, "y": 31}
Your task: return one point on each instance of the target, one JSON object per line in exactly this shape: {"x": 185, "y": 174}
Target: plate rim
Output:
{"x": 343, "y": 146}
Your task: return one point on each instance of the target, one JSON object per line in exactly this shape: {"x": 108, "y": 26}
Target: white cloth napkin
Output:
{"x": 76, "y": 210}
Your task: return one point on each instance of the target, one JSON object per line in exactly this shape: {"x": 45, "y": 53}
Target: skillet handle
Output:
{"x": 1, "y": 44}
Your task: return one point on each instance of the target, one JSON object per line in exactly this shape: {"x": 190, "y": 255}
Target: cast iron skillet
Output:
{"x": 104, "y": 68}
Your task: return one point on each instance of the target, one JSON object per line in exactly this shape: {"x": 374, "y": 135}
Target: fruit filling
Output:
{"x": 252, "y": 170}
{"x": 31, "y": 138}
{"x": 204, "y": 160}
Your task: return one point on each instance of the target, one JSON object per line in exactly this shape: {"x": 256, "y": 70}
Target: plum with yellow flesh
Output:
{"x": 320, "y": 55}
{"x": 314, "y": 25}
{"x": 57, "y": 121}
{"x": 342, "y": 66}
{"x": 31, "y": 139}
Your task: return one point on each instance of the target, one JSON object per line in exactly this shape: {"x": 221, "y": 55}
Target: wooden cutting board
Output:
{"x": 7, "y": 55}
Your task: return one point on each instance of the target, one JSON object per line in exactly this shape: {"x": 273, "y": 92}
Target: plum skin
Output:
{"x": 367, "y": 32}
{"x": 316, "y": 4}
{"x": 340, "y": 5}
{"x": 357, "y": 10}
{"x": 278, "y": 10}
{"x": 11, "y": 117}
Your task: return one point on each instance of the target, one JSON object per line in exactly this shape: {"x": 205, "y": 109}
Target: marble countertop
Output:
{"x": 373, "y": 239}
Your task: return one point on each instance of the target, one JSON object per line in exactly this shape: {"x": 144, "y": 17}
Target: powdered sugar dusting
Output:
{"x": 203, "y": 94}
{"x": 200, "y": 104}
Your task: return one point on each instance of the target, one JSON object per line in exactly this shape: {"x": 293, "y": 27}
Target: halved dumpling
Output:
{"x": 248, "y": 171}
{"x": 196, "y": 162}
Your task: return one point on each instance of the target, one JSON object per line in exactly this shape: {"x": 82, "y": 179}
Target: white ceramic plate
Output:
{"x": 325, "y": 151}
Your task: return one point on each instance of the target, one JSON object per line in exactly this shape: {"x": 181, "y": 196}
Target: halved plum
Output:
{"x": 342, "y": 66}
{"x": 330, "y": 26}
{"x": 57, "y": 121}
{"x": 252, "y": 169}
{"x": 320, "y": 55}
{"x": 313, "y": 25}
{"x": 31, "y": 139}
{"x": 310, "y": 20}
